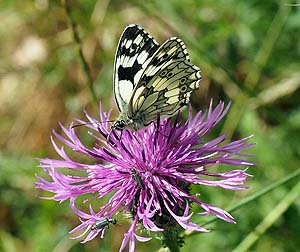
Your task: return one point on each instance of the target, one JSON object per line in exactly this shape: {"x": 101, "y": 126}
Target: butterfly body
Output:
{"x": 151, "y": 79}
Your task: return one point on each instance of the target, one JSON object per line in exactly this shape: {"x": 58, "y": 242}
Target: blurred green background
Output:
{"x": 249, "y": 53}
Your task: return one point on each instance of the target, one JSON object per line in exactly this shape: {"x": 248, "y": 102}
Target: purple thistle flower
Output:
{"x": 148, "y": 172}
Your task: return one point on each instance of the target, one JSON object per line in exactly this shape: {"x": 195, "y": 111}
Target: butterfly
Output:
{"x": 151, "y": 79}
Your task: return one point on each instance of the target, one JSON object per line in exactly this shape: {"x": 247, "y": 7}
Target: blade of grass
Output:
{"x": 238, "y": 107}
{"x": 253, "y": 197}
{"x": 78, "y": 42}
{"x": 284, "y": 87}
{"x": 270, "y": 219}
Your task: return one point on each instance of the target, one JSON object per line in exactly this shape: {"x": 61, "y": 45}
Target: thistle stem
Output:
{"x": 171, "y": 239}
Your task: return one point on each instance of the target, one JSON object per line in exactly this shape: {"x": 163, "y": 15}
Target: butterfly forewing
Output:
{"x": 166, "y": 83}
{"x": 133, "y": 54}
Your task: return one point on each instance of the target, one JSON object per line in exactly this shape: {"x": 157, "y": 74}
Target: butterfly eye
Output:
{"x": 119, "y": 125}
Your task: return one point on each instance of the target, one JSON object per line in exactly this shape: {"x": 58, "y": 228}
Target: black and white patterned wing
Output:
{"x": 166, "y": 84}
{"x": 134, "y": 51}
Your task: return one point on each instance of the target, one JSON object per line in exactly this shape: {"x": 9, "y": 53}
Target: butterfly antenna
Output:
{"x": 80, "y": 124}
{"x": 89, "y": 123}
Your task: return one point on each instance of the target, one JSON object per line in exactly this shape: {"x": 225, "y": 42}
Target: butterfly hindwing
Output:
{"x": 166, "y": 83}
{"x": 134, "y": 51}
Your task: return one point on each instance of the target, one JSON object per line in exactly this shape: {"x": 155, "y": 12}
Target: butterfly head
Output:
{"x": 126, "y": 122}
{"x": 119, "y": 125}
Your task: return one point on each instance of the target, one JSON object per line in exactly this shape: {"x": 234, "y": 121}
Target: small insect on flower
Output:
{"x": 151, "y": 79}
{"x": 100, "y": 224}
{"x": 137, "y": 178}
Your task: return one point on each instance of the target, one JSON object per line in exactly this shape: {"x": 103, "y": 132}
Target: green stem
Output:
{"x": 253, "y": 197}
{"x": 269, "y": 219}
{"x": 77, "y": 40}
{"x": 255, "y": 71}
{"x": 171, "y": 239}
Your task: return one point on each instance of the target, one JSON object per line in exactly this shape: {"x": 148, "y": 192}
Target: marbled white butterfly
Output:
{"x": 150, "y": 79}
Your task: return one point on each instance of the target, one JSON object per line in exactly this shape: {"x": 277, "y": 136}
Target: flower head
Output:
{"x": 148, "y": 173}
